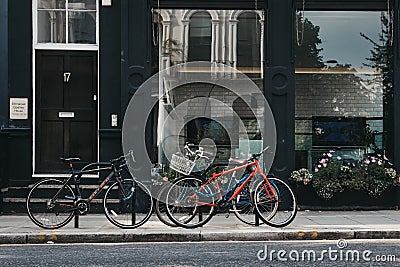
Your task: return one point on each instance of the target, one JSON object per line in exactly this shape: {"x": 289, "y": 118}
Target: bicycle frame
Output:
{"x": 76, "y": 175}
{"x": 237, "y": 189}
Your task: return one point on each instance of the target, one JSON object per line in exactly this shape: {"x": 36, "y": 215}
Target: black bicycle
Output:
{"x": 53, "y": 202}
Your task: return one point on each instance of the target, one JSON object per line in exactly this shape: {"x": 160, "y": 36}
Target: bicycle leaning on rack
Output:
{"x": 127, "y": 203}
{"x": 191, "y": 201}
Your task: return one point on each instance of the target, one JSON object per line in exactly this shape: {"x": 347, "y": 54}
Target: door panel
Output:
{"x": 66, "y": 122}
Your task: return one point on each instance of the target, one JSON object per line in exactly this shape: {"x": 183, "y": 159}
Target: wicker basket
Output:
{"x": 181, "y": 164}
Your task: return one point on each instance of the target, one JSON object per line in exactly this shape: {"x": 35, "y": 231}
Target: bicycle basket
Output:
{"x": 181, "y": 164}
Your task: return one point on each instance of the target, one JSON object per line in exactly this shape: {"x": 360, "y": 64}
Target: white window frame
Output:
{"x": 66, "y": 45}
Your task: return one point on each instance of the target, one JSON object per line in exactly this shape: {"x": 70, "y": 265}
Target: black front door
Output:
{"x": 66, "y": 108}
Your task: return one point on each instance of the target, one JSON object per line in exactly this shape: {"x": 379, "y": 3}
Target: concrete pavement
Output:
{"x": 308, "y": 225}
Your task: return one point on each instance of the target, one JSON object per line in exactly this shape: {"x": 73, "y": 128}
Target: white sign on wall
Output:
{"x": 18, "y": 108}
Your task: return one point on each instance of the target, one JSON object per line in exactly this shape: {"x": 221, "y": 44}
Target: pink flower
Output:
{"x": 329, "y": 155}
{"x": 316, "y": 170}
{"x": 385, "y": 158}
{"x": 379, "y": 155}
{"x": 339, "y": 157}
{"x": 379, "y": 162}
{"x": 319, "y": 166}
{"x": 324, "y": 164}
{"x": 367, "y": 161}
{"x": 165, "y": 179}
{"x": 373, "y": 160}
{"x": 322, "y": 161}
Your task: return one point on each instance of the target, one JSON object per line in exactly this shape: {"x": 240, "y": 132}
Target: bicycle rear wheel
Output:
{"x": 285, "y": 209}
{"x": 189, "y": 204}
{"x": 128, "y": 204}
{"x": 49, "y": 204}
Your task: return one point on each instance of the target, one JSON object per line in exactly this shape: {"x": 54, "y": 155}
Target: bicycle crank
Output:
{"x": 82, "y": 207}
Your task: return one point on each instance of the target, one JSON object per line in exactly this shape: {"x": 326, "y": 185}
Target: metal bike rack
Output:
{"x": 76, "y": 221}
{"x": 256, "y": 219}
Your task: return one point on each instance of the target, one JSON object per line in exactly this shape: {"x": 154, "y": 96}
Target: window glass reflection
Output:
{"x": 231, "y": 37}
{"x": 80, "y": 25}
{"x": 343, "y": 85}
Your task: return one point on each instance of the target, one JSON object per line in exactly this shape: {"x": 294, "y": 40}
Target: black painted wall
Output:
{"x": 279, "y": 85}
{"x": 3, "y": 88}
{"x": 136, "y": 64}
{"x": 19, "y": 132}
{"x": 110, "y": 80}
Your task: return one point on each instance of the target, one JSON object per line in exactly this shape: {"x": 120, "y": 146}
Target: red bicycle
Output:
{"x": 192, "y": 202}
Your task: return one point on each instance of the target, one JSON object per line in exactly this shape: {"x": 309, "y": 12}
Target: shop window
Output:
{"x": 344, "y": 70}
{"x": 66, "y": 21}
{"x": 230, "y": 37}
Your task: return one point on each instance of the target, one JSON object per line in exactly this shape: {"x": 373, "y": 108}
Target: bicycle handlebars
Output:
{"x": 122, "y": 159}
{"x": 256, "y": 155}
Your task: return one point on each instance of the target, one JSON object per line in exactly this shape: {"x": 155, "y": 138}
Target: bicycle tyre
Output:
{"x": 128, "y": 204}
{"x": 286, "y": 206}
{"x": 49, "y": 215}
{"x": 181, "y": 210}
{"x": 161, "y": 208}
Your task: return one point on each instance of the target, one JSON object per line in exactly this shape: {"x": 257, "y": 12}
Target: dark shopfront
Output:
{"x": 314, "y": 60}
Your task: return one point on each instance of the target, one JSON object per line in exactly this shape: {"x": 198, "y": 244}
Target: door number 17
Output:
{"x": 66, "y": 76}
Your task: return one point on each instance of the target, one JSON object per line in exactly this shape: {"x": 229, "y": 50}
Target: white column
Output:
{"x": 165, "y": 35}
{"x": 223, "y": 42}
{"x": 185, "y": 39}
{"x": 215, "y": 42}
{"x": 234, "y": 42}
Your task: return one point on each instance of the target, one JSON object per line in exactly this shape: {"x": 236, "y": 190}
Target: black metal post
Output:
{"x": 76, "y": 221}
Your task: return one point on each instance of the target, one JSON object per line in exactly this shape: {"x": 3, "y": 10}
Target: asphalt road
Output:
{"x": 315, "y": 253}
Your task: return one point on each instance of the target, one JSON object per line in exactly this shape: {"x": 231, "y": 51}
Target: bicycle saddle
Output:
{"x": 70, "y": 159}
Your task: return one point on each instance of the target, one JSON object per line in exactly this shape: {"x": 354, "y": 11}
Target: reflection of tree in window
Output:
{"x": 307, "y": 53}
{"x": 200, "y": 37}
{"x": 381, "y": 60}
{"x": 248, "y": 41}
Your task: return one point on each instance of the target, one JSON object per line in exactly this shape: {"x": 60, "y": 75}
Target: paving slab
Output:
{"x": 308, "y": 225}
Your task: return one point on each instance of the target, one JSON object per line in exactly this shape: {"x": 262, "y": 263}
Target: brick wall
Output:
{"x": 336, "y": 95}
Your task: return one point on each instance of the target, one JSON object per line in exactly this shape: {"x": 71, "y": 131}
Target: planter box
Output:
{"x": 307, "y": 198}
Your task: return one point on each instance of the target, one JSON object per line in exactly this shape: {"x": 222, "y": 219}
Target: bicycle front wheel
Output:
{"x": 128, "y": 204}
{"x": 284, "y": 209}
{"x": 190, "y": 204}
{"x": 50, "y": 203}
{"x": 161, "y": 207}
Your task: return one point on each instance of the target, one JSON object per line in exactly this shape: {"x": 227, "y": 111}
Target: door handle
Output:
{"x": 67, "y": 75}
